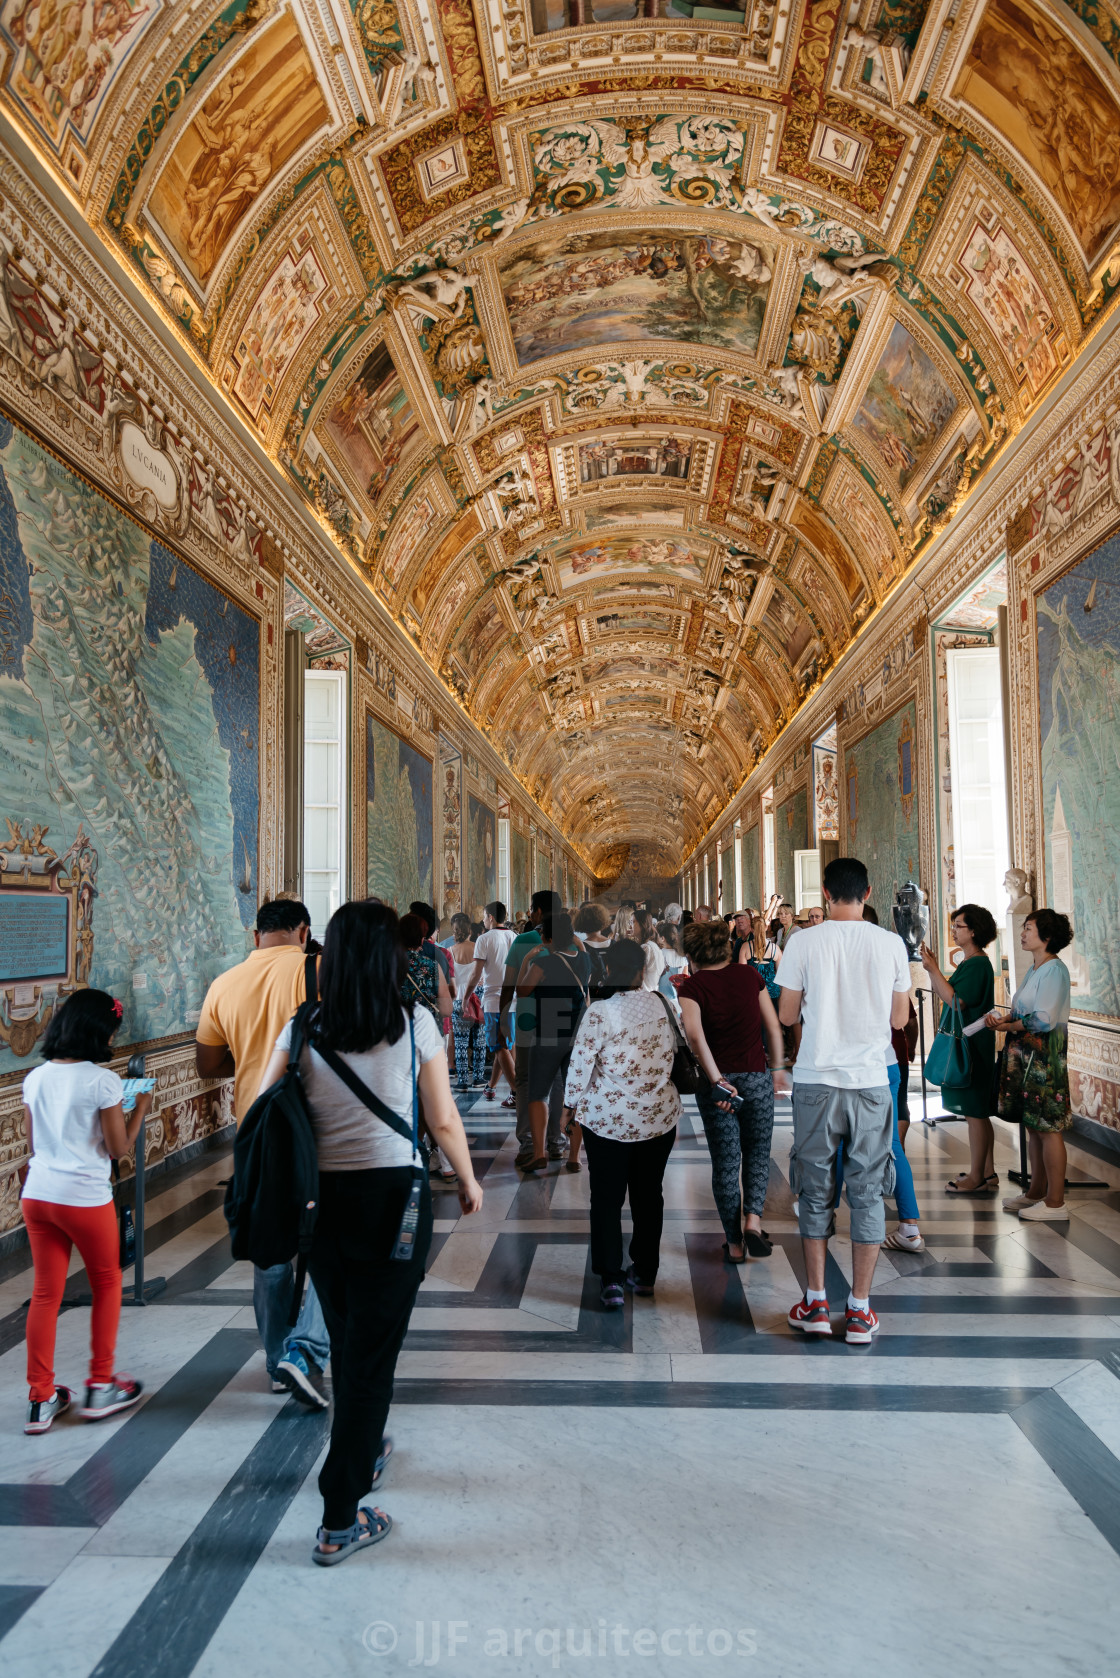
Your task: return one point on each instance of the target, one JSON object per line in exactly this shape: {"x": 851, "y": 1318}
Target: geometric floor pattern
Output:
{"x": 680, "y": 1487}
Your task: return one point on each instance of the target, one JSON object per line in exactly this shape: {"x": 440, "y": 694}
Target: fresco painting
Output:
{"x": 906, "y": 406}
{"x": 520, "y": 871}
{"x": 544, "y": 871}
{"x": 665, "y": 556}
{"x": 577, "y": 292}
{"x": 262, "y": 113}
{"x": 130, "y": 716}
{"x": 482, "y": 856}
{"x": 752, "y": 883}
{"x": 1002, "y": 284}
{"x": 372, "y": 422}
{"x": 1079, "y": 723}
{"x": 65, "y": 58}
{"x": 881, "y": 781}
{"x": 616, "y": 514}
{"x": 288, "y": 305}
{"x": 826, "y": 794}
{"x": 791, "y": 833}
{"x": 635, "y": 457}
{"x": 1048, "y": 102}
{"x": 399, "y": 826}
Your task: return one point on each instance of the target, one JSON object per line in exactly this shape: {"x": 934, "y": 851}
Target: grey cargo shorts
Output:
{"x": 823, "y": 1118}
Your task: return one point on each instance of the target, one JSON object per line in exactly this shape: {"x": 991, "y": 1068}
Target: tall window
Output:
{"x": 980, "y": 848}
{"x": 324, "y": 710}
{"x": 769, "y": 861}
{"x": 738, "y": 904}
{"x": 503, "y": 860}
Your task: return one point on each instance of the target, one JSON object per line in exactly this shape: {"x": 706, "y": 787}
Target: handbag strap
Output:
{"x": 366, "y": 1096}
{"x": 679, "y": 1039}
{"x": 560, "y": 956}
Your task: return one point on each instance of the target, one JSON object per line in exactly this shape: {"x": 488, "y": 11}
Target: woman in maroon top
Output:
{"x": 726, "y": 1009}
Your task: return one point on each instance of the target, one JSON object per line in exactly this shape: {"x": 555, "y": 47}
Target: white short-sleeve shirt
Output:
{"x": 491, "y": 949}
{"x": 848, "y": 972}
{"x": 70, "y": 1162}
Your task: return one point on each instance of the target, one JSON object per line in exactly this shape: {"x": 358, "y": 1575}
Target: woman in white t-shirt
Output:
{"x": 367, "y": 1174}
{"x": 76, "y": 1125}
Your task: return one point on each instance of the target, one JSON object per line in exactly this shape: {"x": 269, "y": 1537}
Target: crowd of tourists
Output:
{"x": 593, "y": 1023}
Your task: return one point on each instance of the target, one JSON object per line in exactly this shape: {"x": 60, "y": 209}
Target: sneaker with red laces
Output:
{"x": 859, "y": 1326}
{"x": 811, "y": 1319}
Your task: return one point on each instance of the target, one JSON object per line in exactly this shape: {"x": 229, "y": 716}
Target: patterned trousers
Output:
{"x": 734, "y": 1138}
{"x": 468, "y": 1036}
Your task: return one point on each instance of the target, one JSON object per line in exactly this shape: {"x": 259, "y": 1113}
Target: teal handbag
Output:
{"x": 949, "y": 1062}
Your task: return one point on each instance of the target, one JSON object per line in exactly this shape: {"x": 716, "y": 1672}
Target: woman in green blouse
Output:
{"x": 973, "y": 984}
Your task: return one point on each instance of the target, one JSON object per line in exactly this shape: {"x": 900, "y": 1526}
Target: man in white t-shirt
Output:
{"x": 490, "y": 951}
{"x": 849, "y": 983}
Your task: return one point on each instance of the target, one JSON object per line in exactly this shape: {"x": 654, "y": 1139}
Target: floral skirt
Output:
{"x": 1034, "y": 1087}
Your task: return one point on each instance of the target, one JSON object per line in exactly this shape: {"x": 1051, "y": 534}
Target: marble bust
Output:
{"x": 1015, "y": 885}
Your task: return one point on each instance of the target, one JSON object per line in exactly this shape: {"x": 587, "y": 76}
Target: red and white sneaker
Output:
{"x": 859, "y": 1326}
{"x": 111, "y": 1397}
{"x": 810, "y": 1319}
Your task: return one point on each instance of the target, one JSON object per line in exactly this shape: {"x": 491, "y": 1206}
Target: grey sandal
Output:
{"x": 382, "y": 1462}
{"x": 351, "y": 1539}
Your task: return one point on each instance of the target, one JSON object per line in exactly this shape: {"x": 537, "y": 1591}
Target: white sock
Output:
{"x": 813, "y": 1296}
{"x": 855, "y": 1304}
{"x": 907, "y": 1229}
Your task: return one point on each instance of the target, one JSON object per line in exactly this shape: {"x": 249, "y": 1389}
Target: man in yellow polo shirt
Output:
{"x": 244, "y": 1013}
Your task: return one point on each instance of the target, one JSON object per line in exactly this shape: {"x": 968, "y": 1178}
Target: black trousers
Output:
{"x": 367, "y": 1299}
{"x": 616, "y": 1169}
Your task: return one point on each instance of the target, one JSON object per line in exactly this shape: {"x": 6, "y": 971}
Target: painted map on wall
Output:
{"x": 727, "y": 875}
{"x": 399, "y": 825}
{"x": 129, "y": 711}
{"x": 752, "y": 889}
{"x": 544, "y": 871}
{"x": 881, "y": 803}
{"x": 482, "y": 856}
{"x": 520, "y": 865}
{"x": 1079, "y": 721}
{"x": 791, "y": 833}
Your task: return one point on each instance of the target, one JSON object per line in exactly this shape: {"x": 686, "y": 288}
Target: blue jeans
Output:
{"x": 272, "y": 1301}
{"x": 904, "y": 1197}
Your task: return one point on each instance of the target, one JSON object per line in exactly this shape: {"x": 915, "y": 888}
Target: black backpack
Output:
{"x": 272, "y": 1201}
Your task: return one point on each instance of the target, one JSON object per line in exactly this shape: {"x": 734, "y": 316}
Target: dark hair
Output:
{"x": 548, "y": 902}
{"x": 557, "y": 928}
{"x": 413, "y": 931}
{"x": 670, "y": 934}
{"x": 477, "y": 929}
{"x": 646, "y": 924}
{"x": 1053, "y": 928}
{"x": 979, "y": 922}
{"x": 283, "y": 914}
{"x": 707, "y": 942}
{"x": 497, "y": 910}
{"x": 426, "y": 913}
{"x": 845, "y": 880}
{"x": 686, "y": 917}
{"x": 624, "y": 961}
{"x": 360, "y": 978}
{"x": 461, "y": 927}
{"x": 81, "y": 1027}
{"x": 593, "y": 918}
{"x": 870, "y": 914}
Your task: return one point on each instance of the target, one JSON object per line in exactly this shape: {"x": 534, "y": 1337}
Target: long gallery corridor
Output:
{"x": 562, "y": 1474}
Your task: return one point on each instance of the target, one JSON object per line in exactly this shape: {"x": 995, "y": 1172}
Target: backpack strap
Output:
{"x": 311, "y": 978}
{"x": 366, "y": 1096}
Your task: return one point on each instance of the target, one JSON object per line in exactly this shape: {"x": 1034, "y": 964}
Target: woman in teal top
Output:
{"x": 973, "y": 984}
{"x": 1034, "y": 1090}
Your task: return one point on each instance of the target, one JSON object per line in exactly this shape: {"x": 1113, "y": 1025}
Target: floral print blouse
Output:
{"x": 618, "y": 1077}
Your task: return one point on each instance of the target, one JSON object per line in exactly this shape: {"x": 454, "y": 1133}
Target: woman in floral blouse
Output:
{"x": 619, "y": 1088}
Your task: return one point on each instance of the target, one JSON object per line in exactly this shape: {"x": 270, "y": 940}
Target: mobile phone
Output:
{"x": 732, "y": 1097}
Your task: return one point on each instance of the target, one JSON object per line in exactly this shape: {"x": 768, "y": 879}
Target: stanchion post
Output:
{"x": 920, "y": 994}
{"x": 141, "y": 1291}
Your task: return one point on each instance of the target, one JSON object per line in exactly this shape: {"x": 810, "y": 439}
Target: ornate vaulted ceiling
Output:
{"x": 633, "y": 348}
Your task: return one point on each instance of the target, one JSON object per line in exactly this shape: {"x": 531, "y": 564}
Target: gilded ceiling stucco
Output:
{"x": 635, "y": 362}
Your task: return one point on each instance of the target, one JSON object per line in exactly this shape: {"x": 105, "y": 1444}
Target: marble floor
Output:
{"x": 684, "y": 1487}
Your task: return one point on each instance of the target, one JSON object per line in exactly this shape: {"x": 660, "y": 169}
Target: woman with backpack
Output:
{"x": 556, "y": 974}
{"x": 76, "y": 1126}
{"x": 371, "y": 1054}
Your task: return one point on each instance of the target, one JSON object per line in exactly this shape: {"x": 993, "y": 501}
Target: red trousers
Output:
{"x": 54, "y": 1231}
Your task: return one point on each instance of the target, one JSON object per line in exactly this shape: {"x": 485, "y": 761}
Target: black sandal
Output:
{"x": 727, "y": 1259}
{"x": 757, "y": 1243}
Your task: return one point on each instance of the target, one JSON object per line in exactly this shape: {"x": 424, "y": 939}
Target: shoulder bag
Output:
{"x": 685, "y": 1073}
{"x": 405, "y": 1244}
{"x": 949, "y": 1062}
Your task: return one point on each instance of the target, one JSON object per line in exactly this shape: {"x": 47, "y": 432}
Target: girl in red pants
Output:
{"x": 76, "y": 1125}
